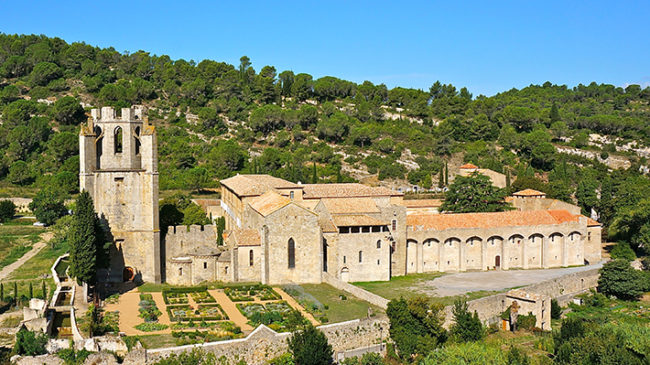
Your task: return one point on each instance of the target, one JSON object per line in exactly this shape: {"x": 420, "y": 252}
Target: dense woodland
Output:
{"x": 215, "y": 120}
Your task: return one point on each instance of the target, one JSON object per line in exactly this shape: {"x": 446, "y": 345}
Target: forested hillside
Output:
{"x": 215, "y": 120}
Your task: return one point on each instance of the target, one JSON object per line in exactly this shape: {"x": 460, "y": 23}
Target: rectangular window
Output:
{"x": 344, "y": 259}
{"x": 205, "y": 265}
{"x": 394, "y": 225}
{"x": 360, "y": 256}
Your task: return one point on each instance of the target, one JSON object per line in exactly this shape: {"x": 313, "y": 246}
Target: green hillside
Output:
{"x": 215, "y": 120}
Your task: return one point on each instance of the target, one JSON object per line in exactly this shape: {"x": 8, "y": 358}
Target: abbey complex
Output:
{"x": 283, "y": 232}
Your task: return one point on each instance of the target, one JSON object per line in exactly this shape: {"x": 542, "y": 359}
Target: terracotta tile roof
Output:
{"x": 252, "y": 185}
{"x": 247, "y": 237}
{"x": 422, "y": 203}
{"x": 224, "y": 257}
{"x": 328, "y": 226}
{"x": 529, "y": 192}
{"x": 269, "y": 202}
{"x": 593, "y": 223}
{"x": 490, "y": 220}
{"x": 309, "y": 204}
{"x": 356, "y": 220}
{"x": 345, "y": 190}
{"x": 468, "y": 166}
{"x": 350, "y": 206}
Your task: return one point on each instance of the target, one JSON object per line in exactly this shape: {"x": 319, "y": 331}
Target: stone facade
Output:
{"x": 119, "y": 168}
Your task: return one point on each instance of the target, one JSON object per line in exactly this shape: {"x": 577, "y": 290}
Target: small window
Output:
{"x": 180, "y": 271}
{"x": 250, "y": 258}
{"x": 226, "y": 269}
{"x": 394, "y": 225}
{"x": 377, "y": 262}
{"x": 205, "y": 265}
{"x": 344, "y": 259}
{"x": 379, "y": 244}
{"x": 291, "y": 195}
{"x": 360, "y": 256}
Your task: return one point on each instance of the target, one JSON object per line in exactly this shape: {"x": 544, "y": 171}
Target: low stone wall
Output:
{"x": 264, "y": 343}
{"x": 563, "y": 288}
{"x": 356, "y": 291}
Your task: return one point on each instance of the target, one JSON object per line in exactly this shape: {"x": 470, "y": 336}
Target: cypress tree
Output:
{"x": 44, "y": 289}
{"x": 446, "y": 174}
{"x": 2, "y": 292}
{"x": 314, "y": 174}
{"x": 31, "y": 290}
{"x": 83, "y": 240}
{"x": 508, "y": 179}
{"x": 15, "y": 292}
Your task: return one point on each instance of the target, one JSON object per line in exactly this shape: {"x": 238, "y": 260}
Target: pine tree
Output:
{"x": 31, "y": 290}
{"x": 83, "y": 240}
{"x": 554, "y": 115}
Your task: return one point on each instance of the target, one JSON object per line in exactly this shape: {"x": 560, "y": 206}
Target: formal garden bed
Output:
{"x": 151, "y": 327}
{"x": 204, "y": 312}
{"x": 275, "y": 315}
{"x": 202, "y": 297}
{"x": 148, "y": 309}
{"x": 249, "y": 293}
{"x": 173, "y": 298}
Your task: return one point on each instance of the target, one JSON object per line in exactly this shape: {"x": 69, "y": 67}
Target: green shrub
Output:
{"x": 556, "y": 310}
{"x": 30, "y": 343}
{"x": 526, "y": 322}
{"x": 622, "y": 250}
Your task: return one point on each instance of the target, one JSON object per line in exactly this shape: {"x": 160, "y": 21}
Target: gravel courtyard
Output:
{"x": 461, "y": 283}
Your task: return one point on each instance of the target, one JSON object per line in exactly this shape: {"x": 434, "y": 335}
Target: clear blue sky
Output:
{"x": 488, "y": 46}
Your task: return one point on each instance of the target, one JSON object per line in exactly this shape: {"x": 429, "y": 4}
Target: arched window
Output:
{"x": 98, "y": 146}
{"x": 250, "y": 258}
{"x": 180, "y": 271}
{"x": 137, "y": 140}
{"x": 291, "y": 253}
{"x": 379, "y": 244}
{"x": 117, "y": 140}
{"x": 360, "y": 256}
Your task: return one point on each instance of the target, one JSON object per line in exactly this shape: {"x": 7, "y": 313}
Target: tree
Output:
{"x": 83, "y": 240}
{"x": 221, "y": 226}
{"x": 632, "y": 224}
{"x": 19, "y": 173}
{"x": 68, "y": 111}
{"x": 556, "y": 310}
{"x": 467, "y": 326}
{"x": 43, "y": 73}
{"x": 48, "y": 205}
{"x": 416, "y": 326}
{"x": 619, "y": 279}
{"x": 196, "y": 179}
{"x": 29, "y": 343}
{"x": 193, "y": 214}
{"x": 309, "y": 346}
{"x": 554, "y": 114}
{"x": 474, "y": 193}
{"x": 7, "y": 210}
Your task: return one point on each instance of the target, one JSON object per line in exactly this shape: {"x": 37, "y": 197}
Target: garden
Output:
{"x": 149, "y": 312}
{"x": 249, "y": 293}
{"x": 221, "y": 331}
{"x": 203, "y": 312}
{"x": 275, "y": 315}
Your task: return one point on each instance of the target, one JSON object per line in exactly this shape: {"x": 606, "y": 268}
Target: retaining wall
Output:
{"x": 356, "y": 291}
{"x": 263, "y": 343}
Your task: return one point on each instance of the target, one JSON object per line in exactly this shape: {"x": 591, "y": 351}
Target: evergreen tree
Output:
{"x": 221, "y": 226}
{"x": 31, "y": 290}
{"x": 314, "y": 174}
{"x": 446, "y": 174}
{"x": 83, "y": 240}
{"x": 441, "y": 178}
{"x": 508, "y": 182}
{"x": 467, "y": 326}
{"x": 474, "y": 193}
{"x": 2, "y": 292}
{"x": 310, "y": 347}
{"x": 15, "y": 293}
{"x": 554, "y": 114}
{"x": 44, "y": 289}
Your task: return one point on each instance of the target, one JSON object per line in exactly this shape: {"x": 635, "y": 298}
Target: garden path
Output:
{"x": 38, "y": 246}
{"x": 231, "y": 310}
{"x": 128, "y": 306}
{"x": 292, "y": 302}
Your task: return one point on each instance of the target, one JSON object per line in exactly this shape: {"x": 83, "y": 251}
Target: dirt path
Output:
{"x": 292, "y": 302}
{"x": 38, "y": 246}
{"x": 231, "y": 310}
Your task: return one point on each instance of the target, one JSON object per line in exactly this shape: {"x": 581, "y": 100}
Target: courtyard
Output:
{"x": 444, "y": 287}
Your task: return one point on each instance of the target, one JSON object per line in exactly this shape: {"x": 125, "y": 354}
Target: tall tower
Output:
{"x": 119, "y": 168}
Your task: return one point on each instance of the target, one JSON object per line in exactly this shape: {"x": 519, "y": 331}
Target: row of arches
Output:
{"x": 496, "y": 252}
{"x": 117, "y": 140}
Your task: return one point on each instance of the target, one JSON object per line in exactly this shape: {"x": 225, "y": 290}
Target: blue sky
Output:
{"x": 488, "y": 46}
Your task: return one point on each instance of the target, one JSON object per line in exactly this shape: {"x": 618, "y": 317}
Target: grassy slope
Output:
{"x": 16, "y": 240}
{"x": 339, "y": 310}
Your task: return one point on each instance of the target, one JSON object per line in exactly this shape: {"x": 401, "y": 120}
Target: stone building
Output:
{"x": 119, "y": 168}
{"x": 283, "y": 232}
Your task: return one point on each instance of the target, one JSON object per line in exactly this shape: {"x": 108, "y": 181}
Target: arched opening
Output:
{"x": 345, "y": 274}
{"x": 117, "y": 140}
{"x": 136, "y": 138}
{"x": 291, "y": 253}
{"x": 128, "y": 274}
{"x": 98, "y": 146}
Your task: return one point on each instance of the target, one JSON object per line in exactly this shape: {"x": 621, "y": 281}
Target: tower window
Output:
{"x": 379, "y": 244}
{"x": 180, "y": 271}
{"x": 205, "y": 265}
{"x": 291, "y": 253}
{"x": 137, "y": 140}
{"x": 344, "y": 259}
{"x": 360, "y": 256}
{"x": 118, "y": 140}
{"x": 250, "y": 258}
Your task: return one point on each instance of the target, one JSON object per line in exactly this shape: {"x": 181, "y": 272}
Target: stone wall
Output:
{"x": 264, "y": 344}
{"x": 356, "y": 291}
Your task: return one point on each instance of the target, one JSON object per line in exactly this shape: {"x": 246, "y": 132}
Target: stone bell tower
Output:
{"x": 119, "y": 168}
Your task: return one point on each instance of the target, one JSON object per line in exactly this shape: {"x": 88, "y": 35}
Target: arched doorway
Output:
{"x": 128, "y": 274}
{"x": 497, "y": 261}
{"x": 345, "y": 274}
